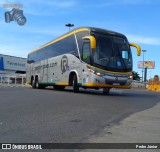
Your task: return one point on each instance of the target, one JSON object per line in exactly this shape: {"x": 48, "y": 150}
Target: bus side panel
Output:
{"x": 41, "y": 70}
{"x": 54, "y": 74}
{"x": 60, "y": 68}
{"x": 75, "y": 65}
{"x": 28, "y": 73}
{"x": 86, "y": 77}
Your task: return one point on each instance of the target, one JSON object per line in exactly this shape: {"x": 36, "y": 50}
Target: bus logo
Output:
{"x": 64, "y": 64}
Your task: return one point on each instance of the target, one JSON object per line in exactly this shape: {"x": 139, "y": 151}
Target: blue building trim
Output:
{"x": 1, "y": 64}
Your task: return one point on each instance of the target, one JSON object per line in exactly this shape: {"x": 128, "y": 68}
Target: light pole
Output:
{"x": 143, "y": 65}
{"x": 69, "y": 25}
{"x": 150, "y": 74}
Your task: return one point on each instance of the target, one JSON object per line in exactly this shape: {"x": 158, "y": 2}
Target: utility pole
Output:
{"x": 143, "y": 66}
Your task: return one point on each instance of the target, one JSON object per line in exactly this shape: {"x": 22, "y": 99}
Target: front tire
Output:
{"x": 75, "y": 84}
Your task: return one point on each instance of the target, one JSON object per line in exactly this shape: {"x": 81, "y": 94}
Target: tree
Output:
{"x": 136, "y": 76}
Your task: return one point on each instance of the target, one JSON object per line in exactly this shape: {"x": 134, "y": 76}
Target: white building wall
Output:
{"x": 11, "y": 64}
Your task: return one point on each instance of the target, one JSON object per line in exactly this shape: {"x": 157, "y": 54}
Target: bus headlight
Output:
{"x": 130, "y": 77}
{"x": 90, "y": 70}
{"x": 98, "y": 74}
{"x": 94, "y": 72}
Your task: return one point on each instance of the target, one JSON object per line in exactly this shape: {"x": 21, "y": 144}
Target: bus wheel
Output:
{"x": 36, "y": 83}
{"x": 106, "y": 91}
{"x": 33, "y": 84}
{"x": 75, "y": 84}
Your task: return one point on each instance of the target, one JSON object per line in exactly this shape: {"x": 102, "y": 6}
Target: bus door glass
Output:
{"x": 86, "y": 57}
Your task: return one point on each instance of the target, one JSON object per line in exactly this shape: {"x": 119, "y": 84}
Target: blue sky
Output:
{"x": 138, "y": 19}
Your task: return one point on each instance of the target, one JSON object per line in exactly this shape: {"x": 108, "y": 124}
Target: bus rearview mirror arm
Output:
{"x": 137, "y": 47}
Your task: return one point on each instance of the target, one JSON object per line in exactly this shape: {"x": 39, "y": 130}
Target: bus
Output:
{"x": 85, "y": 57}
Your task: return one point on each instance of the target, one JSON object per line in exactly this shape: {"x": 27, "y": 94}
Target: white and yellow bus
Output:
{"x": 85, "y": 57}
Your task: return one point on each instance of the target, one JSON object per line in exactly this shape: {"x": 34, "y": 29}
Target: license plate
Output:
{"x": 117, "y": 84}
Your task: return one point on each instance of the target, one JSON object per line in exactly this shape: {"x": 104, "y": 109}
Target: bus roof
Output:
{"x": 80, "y": 29}
{"x": 100, "y": 30}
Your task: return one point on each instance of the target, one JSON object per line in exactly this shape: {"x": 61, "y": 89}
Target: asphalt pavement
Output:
{"x": 47, "y": 116}
{"x": 140, "y": 128}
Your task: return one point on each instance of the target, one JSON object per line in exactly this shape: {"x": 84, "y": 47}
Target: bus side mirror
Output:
{"x": 137, "y": 47}
{"x": 92, "y": 41}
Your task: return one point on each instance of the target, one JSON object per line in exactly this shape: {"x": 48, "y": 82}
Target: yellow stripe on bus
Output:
{"x": 62, "y": 83}
{"x": 109, "y": 71}
{"x": 106, "y": 86}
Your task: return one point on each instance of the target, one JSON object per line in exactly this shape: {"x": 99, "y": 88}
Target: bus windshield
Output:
{"x": 112, "y": 53}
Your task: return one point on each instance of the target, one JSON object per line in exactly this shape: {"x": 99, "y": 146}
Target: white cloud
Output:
{"x": 42, "y": 7}
{"x": 51, "y": 3}
{"x": 14, "y": 50}
{"x": 53, "y": 31}
{"x": 126, "y": 2}
{"x": 144, "y": 40}
{"x": 61, "y": 4}
{"x": 38, "y": 36}
{"x": 47, "y": 31}
{"x": 6, "y": 1}
{"x": 136, "y": 2}
{"x": 49, "y": 7}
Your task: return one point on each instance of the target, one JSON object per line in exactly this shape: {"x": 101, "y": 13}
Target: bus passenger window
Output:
{"x": 86, "y": 53}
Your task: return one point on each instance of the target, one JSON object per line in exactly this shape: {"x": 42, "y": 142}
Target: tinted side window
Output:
{"x": 63, "y": 46}
{"x": 66, "y": 45}
{"x": 29, "y": 60}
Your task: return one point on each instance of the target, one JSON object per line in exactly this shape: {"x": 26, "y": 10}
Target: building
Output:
{"x": 12, "y": 64}
{"x": 12, "y": 69}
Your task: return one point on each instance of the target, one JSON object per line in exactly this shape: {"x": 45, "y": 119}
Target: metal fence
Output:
{"x": 12, "y": 79}
{"x": 140, "y": 85}
{"x": 20, "y": 79}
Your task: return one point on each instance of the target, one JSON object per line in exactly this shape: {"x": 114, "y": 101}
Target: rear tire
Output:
{"x": 106, "y": 91}
{"x": 33, "y": 84}
{"x": 37, "y": 84}
{"x": 75, "y": 84}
